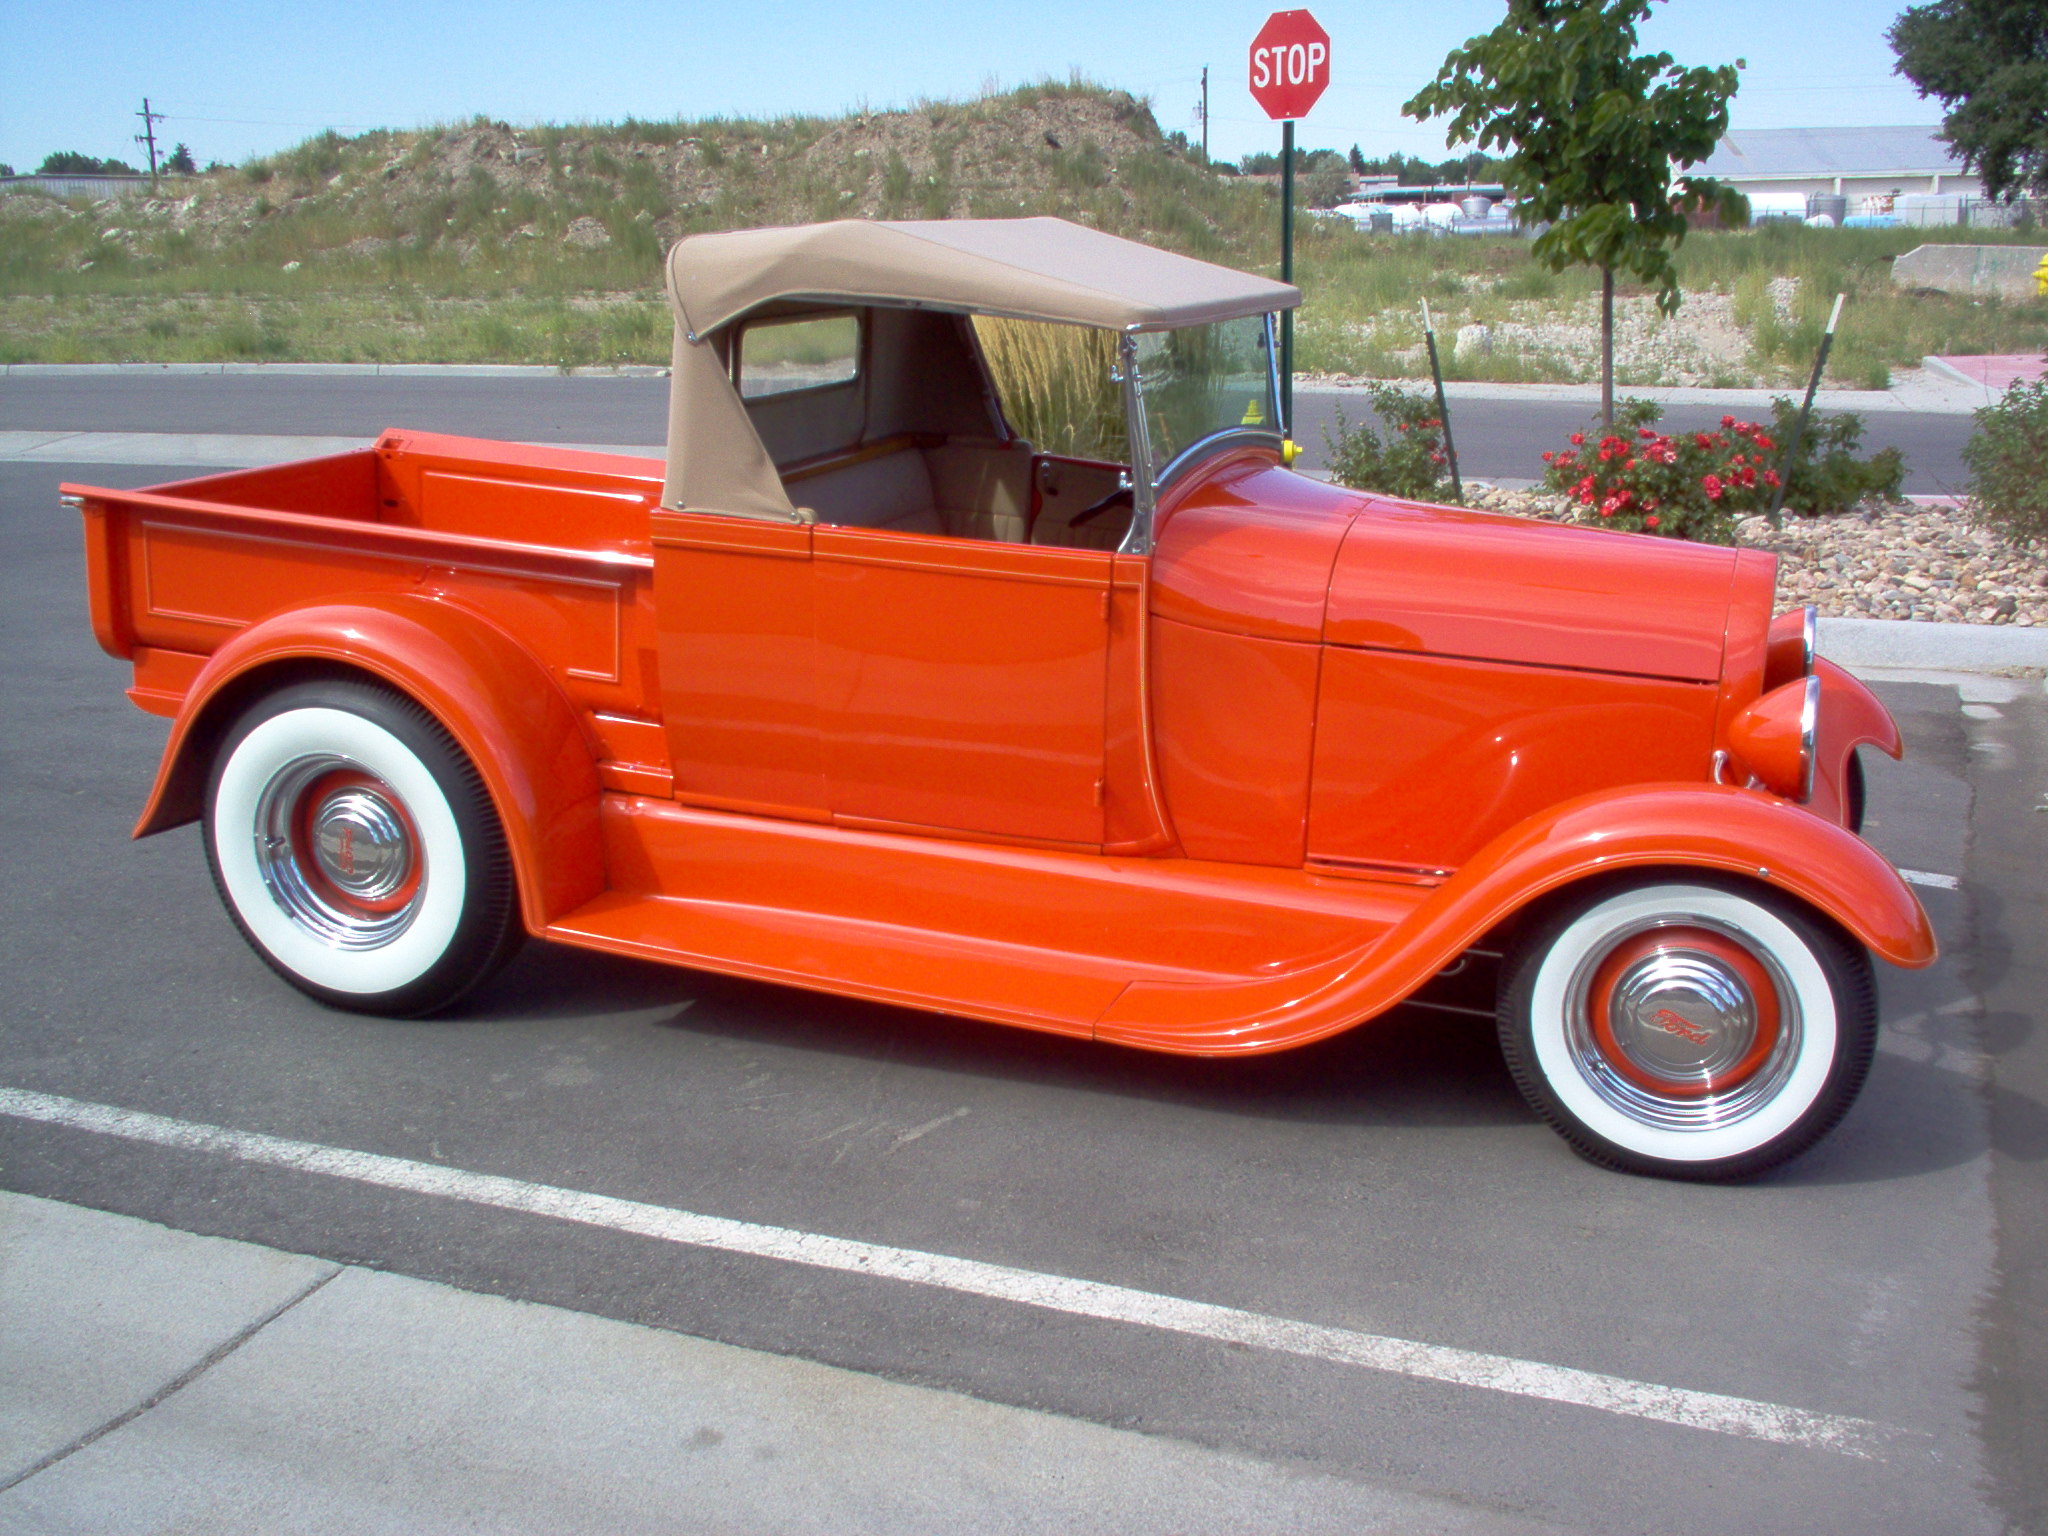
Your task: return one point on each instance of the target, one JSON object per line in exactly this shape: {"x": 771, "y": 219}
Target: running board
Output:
{"x": 1016, "y": 935}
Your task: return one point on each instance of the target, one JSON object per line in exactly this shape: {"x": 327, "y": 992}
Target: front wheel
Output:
{"x": 357, "y": 850}
{"x": 1688, "y": 1030}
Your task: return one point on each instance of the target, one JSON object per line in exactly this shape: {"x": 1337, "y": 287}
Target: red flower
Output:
{"x": 1645, "y": 433}
{"x": 1578, "y": 439}
{"x": 1701, "y": 440}
{"x": 1548, "y": 455}
{"x": 1608, "y": 507}
{"x": 1727, "y": 421}
{"x": 1771, "y": 478}
{"x": 1711, "y": 484}
{"x": 1763, "y": 442}
{"x": 1651, "y": 521}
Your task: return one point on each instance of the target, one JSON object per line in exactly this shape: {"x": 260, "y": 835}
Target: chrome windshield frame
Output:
{"x": 1273, "y": 376}
{"x": 1144, "y": 493}
{"x": 1147, "y": 481}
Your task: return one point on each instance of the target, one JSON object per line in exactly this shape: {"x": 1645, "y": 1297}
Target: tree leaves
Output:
{"x": 1592, "y": 131}
{"x": 1987, "y": 62}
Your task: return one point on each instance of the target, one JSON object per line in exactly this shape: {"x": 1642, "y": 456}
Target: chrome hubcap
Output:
{"x": 338, "y": 852}
{"x": 1682, "y": 1018}
{"x": 361, "y": 843}
{"x": 1683, "y": 1024}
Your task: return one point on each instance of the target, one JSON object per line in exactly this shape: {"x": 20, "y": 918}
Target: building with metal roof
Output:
{"x": 1854, "y": 162}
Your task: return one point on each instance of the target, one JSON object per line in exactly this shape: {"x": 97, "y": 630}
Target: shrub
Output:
{"x": 1829, "y": 477}
{"x": 2005, "y": 456}
{"x": 1684, "y": 485}
{"x": 1698, "y": 485}
{"x": 1409, "y": 461}
{"x": 1057, "y": 385}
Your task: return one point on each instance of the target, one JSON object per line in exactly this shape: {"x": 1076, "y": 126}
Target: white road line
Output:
{"x": 1710, "y": 1411}
{"x": 1923, "y": 877}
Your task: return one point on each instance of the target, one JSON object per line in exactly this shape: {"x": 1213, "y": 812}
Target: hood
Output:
{"x": 1451, "y": 582}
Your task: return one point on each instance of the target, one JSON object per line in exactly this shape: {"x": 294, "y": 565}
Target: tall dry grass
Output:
{"x": 1055, "y": 385}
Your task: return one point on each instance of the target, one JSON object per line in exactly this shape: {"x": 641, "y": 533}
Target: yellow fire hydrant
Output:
{"x": 2041, "y": 279}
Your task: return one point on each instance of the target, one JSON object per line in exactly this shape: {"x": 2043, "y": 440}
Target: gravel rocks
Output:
{"x": 1878, "y": 562}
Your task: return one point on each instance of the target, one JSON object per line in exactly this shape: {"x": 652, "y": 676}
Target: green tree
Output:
{"x": 1327, "y": 183}
{"x": 1593, "y": 131}
{"x": 1987, "y": 62}
{"x": 69, "y": 162}
{"x": 181, "y": 162}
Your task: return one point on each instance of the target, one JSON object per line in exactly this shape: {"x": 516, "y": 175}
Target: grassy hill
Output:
{"x": 482, "y": 242}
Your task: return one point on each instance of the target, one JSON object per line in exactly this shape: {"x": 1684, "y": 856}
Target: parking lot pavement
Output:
{"x": 1384, "y": 1192}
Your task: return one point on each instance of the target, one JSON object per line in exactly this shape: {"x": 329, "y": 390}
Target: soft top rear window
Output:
{"x": 782, "y": 356}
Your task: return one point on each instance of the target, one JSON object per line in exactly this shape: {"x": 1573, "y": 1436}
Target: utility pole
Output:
{"x": 148, "y": 136}
{"x": 1205, "y": 117}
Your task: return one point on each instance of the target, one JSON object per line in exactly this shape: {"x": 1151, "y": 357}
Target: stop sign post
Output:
{"x": 1290, "y": 69}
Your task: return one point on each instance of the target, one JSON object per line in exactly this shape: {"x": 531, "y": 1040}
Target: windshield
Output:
{"x": 1205, "y": 379}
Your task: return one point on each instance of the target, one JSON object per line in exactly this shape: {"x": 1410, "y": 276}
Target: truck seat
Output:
{"x": 961, "y": 490}
{"x": 893, "y": 492}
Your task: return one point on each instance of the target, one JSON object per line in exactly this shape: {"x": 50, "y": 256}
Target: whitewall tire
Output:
{"x": 1691, "y": 1029}
{"x": 357, "y": 850}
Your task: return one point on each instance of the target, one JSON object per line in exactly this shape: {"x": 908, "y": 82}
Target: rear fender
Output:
{"x": 1671, "y": 829}
{"x": 491, "y": 695}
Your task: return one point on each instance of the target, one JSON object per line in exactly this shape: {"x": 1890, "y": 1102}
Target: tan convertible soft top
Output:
{"x": 1032, "y": 269}
{"x": 1028, "y": 269}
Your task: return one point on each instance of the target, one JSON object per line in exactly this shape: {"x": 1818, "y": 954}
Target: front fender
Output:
{"x": 1672, "y": 828}
{"x": 1850, "y": 716}
{"x": 501, "y": 706}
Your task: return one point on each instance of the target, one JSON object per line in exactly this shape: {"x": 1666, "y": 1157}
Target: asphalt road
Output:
{"x": 1389, "y": 1181}
{"x": 1495, "y": 438}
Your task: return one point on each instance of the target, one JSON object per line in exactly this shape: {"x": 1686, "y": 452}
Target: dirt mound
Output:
{"x": 484, "y": 191}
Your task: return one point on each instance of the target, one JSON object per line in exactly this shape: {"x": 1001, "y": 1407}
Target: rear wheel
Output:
{"x": 1693, "y": 1031}
{"x": 357, "y": 851}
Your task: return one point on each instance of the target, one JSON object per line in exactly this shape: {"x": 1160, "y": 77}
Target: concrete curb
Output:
{"x": 1917, "y": 644}
{"x": 336, "y": 370}
{"x": 1930, "y": 393}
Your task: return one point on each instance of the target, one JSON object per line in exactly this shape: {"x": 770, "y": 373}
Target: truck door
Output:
{"x": 961, "y": 683}
{"x": 738, "y": 695}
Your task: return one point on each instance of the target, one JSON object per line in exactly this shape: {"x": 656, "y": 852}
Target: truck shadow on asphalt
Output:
{"x": 1414, "y": 1067}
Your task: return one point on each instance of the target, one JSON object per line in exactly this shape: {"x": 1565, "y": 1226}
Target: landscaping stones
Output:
{"x": 1879, "y": 562}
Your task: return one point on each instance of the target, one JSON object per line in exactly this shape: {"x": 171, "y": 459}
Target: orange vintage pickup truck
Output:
{"x": 862, "y": 691}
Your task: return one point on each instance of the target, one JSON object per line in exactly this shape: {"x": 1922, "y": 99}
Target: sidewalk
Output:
{"x": 157, "y": 1381}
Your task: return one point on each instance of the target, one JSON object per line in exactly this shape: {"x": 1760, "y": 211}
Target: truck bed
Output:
{"x": 550, "y": 544}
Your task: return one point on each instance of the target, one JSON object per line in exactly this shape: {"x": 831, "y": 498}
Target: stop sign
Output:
{"x": 1290, "y": 64}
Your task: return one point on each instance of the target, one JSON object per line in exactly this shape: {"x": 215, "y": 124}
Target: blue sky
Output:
{"x": 240, "y": 79}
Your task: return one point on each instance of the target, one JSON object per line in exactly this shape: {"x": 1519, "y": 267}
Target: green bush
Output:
{"x": 2006, "y": 456}
{"x": 1829, "y": 476}
{"x": 1681, "y": 485}
{"x": 1410, "y": 460}
{"x": 1698, "y": 485}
